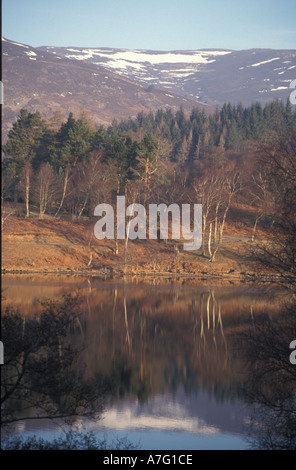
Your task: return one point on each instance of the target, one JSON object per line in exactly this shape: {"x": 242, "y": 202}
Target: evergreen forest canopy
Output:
{"x": 69, "y": 167}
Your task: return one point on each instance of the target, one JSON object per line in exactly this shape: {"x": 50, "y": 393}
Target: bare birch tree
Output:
{"x": 45, "y": 188}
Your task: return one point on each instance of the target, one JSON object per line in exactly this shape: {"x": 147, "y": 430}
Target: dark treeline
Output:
{"x": 194, "y": 136}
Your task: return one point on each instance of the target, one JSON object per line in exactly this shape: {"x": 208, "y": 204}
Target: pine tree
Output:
{"x": 21, "y": 148}
{"x": 147, "y": 162}
{"x": 71, "y": 144}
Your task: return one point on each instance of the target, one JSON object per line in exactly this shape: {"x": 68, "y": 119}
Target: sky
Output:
{"x": 152, "y": 24}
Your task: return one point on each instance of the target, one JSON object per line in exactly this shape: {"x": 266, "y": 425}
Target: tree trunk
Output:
{"x": 216, "y": 222}
{"x": 209, "y": 243}
{"x": 214, "y": 253}
{"x": 66, "y": 180}
{"x": 43, "y": 199}
{"x": 125, "y": 248}
{"x": 204, "y": 222}
{"x": 27, "y": 193}
{"x": 83, "y": 207}
{"x": 90, "y": 251}
{"x": 255, "y": 226}
{"x": 223, "y": 223}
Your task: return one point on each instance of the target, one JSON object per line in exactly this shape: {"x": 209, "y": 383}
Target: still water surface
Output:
{"x": 167, "y": 349}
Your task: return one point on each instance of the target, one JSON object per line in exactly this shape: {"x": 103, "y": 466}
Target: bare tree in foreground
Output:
{"x": 45, "y": 188}
{"x": 38, "y": 378}
{"x": 278, "y": 253}
{"x": 270, "y": 379}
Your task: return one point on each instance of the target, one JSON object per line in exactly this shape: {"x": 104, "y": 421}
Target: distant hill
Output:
{"x": 210, "y": 76}
{"x": 36, "y": 79}
{"x": 118, "y": 83}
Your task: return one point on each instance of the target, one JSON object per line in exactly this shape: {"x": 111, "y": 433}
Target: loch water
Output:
{"x": 166, "y": 349}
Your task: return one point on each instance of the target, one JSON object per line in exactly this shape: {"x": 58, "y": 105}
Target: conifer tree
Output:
{"x": 22, "y": 147}
{"x": 72, "y": 143}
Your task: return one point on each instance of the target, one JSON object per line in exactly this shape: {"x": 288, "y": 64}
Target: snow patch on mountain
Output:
{"x": 30, "y": 53}
{"x": 138, "y": 59}
{"x": 213, "y": 76}
{"x": 279, "y": 88}
{"x": 265, "y": 62}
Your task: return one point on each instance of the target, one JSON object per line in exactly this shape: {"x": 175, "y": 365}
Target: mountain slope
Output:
{"x": 39, "y": 80}
{"x": 119, "y": 83}
{"x": 212, "y": 76}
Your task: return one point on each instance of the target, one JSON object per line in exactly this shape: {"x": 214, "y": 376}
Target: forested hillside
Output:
{"x": 55, "y": 168}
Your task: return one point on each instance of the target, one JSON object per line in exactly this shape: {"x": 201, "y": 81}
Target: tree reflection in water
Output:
{"x": 39, "y": 379}
{"x": 121, "y": 341}
{"x": 270, "y": 380}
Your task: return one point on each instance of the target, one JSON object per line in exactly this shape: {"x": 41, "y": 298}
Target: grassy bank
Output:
{"x": 52, "y": 245}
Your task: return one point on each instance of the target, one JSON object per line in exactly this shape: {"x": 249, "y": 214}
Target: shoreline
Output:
{"x": 39, "y": 247}
{"x": 142, "y": 276}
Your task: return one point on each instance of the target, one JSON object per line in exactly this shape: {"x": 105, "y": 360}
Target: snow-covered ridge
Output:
{"x": 15, "y": 43}
{"x": 134, "y": 58}
{"x": 150, "y": 67}
{"x": 213, "y": 76}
